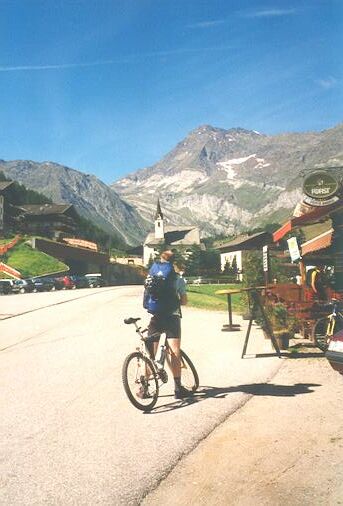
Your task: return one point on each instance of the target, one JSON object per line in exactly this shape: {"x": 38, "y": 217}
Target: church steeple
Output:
{"x": 159, "y": 225}
{"x": 159, "y": 213}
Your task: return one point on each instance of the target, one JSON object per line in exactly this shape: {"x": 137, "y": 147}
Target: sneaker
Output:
{"x": 182, "y": 393}
{"x": 143, "y": 393}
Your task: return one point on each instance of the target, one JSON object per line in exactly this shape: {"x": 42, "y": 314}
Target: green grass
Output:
{"x": 204, "y": 297}
{"x": 31, "y": 262}
{"x": 6, "y": 240}
{"x": 4, "y": 275}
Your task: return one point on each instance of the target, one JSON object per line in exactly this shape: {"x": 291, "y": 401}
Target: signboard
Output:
{"x": 2, "y": 212}
{"x": 265, "y": 259}
{"x": 320, "y": 187}
{"x": 293, "y": 249}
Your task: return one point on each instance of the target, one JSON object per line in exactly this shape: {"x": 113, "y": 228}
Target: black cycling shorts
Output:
{"x": 171, "y": 325}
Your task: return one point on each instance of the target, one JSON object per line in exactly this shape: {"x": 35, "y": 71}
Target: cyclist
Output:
{"x": 318, "y": 282}
{"x": 170, "y": 323}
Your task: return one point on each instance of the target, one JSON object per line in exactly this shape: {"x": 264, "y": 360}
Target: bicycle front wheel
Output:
{"x": 189, "y": 375}
{"x": 140, "y": 381}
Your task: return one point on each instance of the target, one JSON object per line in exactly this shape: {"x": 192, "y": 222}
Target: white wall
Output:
{"x": 224, "y": 257}
{"x": 147, "y": 252}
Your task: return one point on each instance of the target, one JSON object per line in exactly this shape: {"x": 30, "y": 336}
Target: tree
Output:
{"x": 205, "y": 262}
{"x": 227, "y": 268}
{"x": 210, "y": 262}
{"x": 253, "y": 269}
{"x": 234, "y": 266}
{"x": 193, "y": 261}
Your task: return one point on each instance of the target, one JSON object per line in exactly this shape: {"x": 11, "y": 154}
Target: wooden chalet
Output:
{"x": 49, "y": 220}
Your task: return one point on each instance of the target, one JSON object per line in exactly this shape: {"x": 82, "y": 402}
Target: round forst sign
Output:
{"x": 320, "y": 185}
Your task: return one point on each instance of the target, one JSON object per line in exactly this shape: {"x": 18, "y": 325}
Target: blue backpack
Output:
{"x": 160, "y": 296}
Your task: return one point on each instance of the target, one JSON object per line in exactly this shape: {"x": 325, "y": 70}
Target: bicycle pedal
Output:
{"x": 163, "y": 375}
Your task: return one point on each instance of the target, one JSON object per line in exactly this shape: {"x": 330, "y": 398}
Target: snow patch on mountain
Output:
{"x": 232, "y": 174}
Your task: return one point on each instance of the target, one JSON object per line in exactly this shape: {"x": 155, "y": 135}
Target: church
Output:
{"x": 172, "y": 237}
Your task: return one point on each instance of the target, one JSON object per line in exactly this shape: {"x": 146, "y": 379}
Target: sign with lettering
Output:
{"x": 265, "y": 258}
{"x": 293, "y": 249}
{"x": 320, "y": 185}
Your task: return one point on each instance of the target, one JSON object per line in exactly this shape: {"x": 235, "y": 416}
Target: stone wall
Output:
{"x": 119, "y": 274}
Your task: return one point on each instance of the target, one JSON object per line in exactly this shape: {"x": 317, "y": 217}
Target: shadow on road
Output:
{"x": 262, "y": 389}
{"x": 292, "y": 354}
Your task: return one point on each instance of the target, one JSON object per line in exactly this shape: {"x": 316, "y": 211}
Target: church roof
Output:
{"x": 159, "y": 213}
{"x": 173, "y": 236}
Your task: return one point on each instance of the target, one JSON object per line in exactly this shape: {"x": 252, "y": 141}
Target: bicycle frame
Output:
{"x": 332, "y": 320}
{"x": 144, "y": 378}
{"x": 144, "y": 349}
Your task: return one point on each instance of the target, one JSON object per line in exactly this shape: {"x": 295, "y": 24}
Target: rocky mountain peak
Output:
{"x": 91, "y": 197}
{"x": 230, "y": 180}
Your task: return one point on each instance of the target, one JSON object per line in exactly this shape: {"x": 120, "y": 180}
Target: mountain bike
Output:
{"x": 143, "y": 374}
{"x": 325, "y": 327}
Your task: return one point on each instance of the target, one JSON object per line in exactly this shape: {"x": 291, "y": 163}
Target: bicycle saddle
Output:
{"x": 131, "y": 320}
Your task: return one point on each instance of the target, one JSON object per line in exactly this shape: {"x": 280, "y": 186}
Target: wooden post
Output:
{"x": 337, "y": 247}
{"x": 302, "y": 270}
{"x": 258, "y": 307}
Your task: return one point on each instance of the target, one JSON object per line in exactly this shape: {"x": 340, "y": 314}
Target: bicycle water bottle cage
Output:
{"x": 128, "y": 321}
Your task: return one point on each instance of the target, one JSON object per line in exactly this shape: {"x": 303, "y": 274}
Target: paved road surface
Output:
{"x": 69, "y": 434}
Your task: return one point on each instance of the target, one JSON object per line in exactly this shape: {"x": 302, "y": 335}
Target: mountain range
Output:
{"x": 92, "y": 198}
{"x": 224, "y": 181}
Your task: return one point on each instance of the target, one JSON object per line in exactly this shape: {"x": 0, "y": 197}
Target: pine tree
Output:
{"x": 234, "y": 268}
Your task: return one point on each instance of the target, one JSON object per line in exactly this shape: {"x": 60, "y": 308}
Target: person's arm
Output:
{"x": 183, "y": 299}
{"x": 313, "y": 281}
{"x": 182, "y": 291}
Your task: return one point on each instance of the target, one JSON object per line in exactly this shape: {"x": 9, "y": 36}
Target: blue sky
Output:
{"x": 110, "y": 86}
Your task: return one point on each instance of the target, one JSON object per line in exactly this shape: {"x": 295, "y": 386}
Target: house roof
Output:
{"x": 246, "y": 242}
{"x": 45, "y": 209}
{"x": 5, "y": 184}
{"x": 320, "y": 214}
{"x": 318, "y": 243}
{"x": 183, "y": 236}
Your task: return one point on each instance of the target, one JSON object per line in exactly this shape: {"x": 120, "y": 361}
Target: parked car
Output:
{"x": 334, "y": 353}
{"x": 80, "y": 281}
{"x": 58, "y": 283}
{"x": 66, "y": 283}
{"x": 95, "y": 280}
{"x": 43, "y": 284}
{"x": 6, "y": 286}
{"x": 23, "y": 286}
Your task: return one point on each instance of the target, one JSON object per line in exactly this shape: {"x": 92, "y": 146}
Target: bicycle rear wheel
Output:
{"x": 140, "y": 381}
{"x": 189, "y": 375}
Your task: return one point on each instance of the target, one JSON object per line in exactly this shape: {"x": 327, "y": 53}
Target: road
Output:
{"x": 69, "y": 434}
